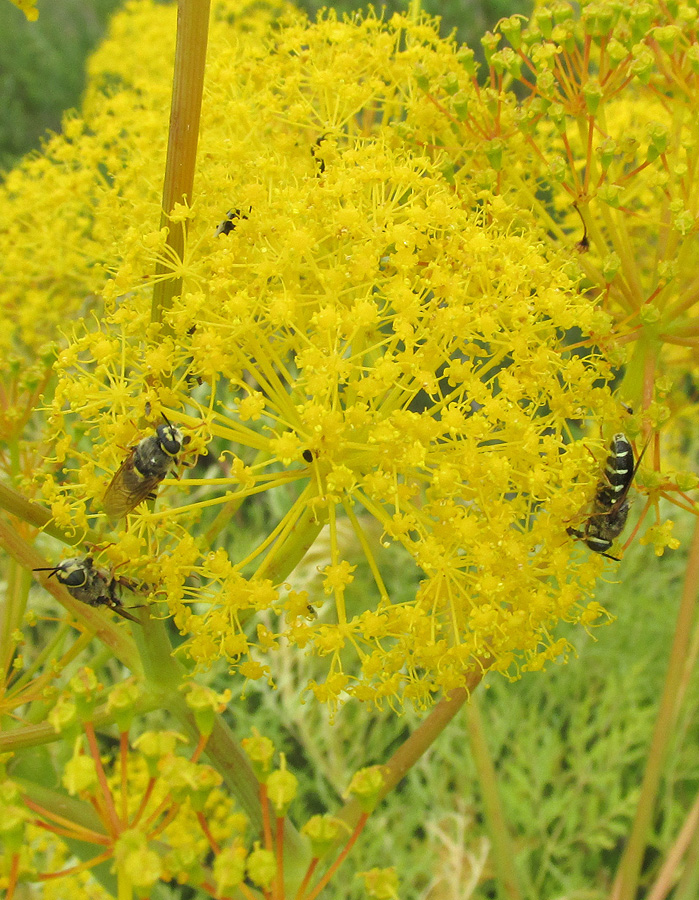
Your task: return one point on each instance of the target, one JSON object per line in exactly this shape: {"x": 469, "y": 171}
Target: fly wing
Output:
{"x": 121, "y": 611}
{"x": 127, "y": 489}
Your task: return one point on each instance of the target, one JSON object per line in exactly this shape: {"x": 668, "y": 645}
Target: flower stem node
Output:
{"x": 206, "y": 705}
{"x": 282, "y": 787}
{"x": 260, "y": 751}
{"x": 139, "y": 864}
{"x": 323, "y": 832}
{"x": 649, "y": 314}
{"x": 367, "y": 786}
{"x": 186, "y": 862}
{"x": 262, "y": 867}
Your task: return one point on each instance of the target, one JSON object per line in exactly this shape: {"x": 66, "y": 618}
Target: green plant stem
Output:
{"x": 688, "y": 887}
{"x": 185, "y": 113}
{"x": 292, "y": 547}
{"x": 687, "y": 842}
{"x": 627, "y": 877}
{"x": 166, "y": 677}
{"x": 36, "y": 515}
{"x": 503, "y": 851}
{"x": 414, "y": 9}
{"x": 12, "y": 612}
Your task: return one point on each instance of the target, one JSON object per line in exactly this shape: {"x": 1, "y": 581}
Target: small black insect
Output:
{"x": 230, "y": 222}
{"x": 143, "y": 469}
{"x": 610, "y": 506}
{"x": 96, "y": 587}
{"x": 320, "y": 162}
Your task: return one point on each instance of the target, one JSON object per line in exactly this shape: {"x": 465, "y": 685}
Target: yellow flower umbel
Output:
{"x": 359, "y": 341}
{"x": 582, "y": 123}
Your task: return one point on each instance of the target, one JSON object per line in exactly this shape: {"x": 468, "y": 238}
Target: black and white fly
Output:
{"x": 610, "y": 505}
{"x": 91, "y": 585}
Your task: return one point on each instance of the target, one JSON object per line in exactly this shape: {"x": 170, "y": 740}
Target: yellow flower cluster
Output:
{"x": 28, "y": 7}
{"x": 585, "y": 126}
{"x": 370, "y": 331}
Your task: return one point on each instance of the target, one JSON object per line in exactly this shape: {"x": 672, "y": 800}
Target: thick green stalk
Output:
{"x": 165, "y": 678}
{"x": 33, "y": 514}
{"x": 503, "y": 850}
{"x": 185, "y": 113}
{"x": 626, "y": 882}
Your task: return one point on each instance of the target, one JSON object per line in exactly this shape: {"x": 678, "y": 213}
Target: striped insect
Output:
{"x": 147, "y": 464}
{"x": 610, "y": 505}
{"x": 91, "y": 585}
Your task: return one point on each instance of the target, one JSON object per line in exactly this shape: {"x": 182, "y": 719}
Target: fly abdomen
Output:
{"x": 618, "y": 473}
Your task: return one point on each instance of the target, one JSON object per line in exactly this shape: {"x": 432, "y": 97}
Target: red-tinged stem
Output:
{"x": 359, "y": 827}
{"x": 172, "y": 812}
{"x": 199, "y": 749}
{"x": 14, "y": 874}
{"x": 667, "y": 877}
{"x": 144, "y": 802}
{"x": 419, "y": 742}
{"x": 113, "y": 818}
{"x": 245, "y": 890}
{"x": 242, "y": 888}
{"x": 627, "y": 877}
{"x": 163, "y": 808}
{"x": 74, "y": 831}
{"x": 75, "y": 870}
{"x": 309, "y": 874}
{"x": 204, "y": 825}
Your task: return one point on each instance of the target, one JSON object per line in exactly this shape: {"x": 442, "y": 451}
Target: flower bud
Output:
{"x": 229, "y": 868}
{"x": 80, "y": 774}
{"x": 366, "y": 785}
{"x": 206, "y": 705}
{"x": 282, "y": 787}
{"x": 262, "y": 867}
{"x": 381, "y": 884}
{"x": 121, "y": 703}
{"x": 260, "y": 751}
{"x": 154, "y": 746}
{"x": 323, "y": 832}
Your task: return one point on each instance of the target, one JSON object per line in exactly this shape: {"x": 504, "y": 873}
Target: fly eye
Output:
{"x": 170, "y": 439}
{"x": 74, "y": 578}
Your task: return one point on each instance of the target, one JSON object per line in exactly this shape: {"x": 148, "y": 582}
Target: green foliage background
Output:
{"x": 569, "y": 746}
